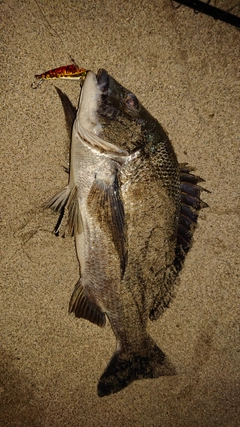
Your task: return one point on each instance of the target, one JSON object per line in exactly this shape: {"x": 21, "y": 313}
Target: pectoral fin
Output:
{"x": 81, "y": 306}
{"x": 67, "y": 198}
{"x": 105, "y": 204}
{"x": 75, "y": 223}
{"x": 59, "y": 200}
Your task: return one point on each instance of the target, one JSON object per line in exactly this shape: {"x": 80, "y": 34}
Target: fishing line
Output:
{"x": 53, "y": 32}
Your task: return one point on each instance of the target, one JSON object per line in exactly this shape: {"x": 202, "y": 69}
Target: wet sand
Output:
{"x": 184, "y": 67}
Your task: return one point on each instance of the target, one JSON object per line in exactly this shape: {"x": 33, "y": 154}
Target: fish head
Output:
{"x": 113, "y": 113}
{"x": 124, "y": 120}
{"x": 118, "y": 99}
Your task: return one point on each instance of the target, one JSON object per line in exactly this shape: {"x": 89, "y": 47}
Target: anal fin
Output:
{"x": 81, "y": 306}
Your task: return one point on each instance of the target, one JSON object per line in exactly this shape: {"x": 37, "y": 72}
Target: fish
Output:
{"x": 132, "y": 209}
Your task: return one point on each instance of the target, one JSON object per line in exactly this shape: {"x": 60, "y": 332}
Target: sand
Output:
{"x": 184, "y": 67}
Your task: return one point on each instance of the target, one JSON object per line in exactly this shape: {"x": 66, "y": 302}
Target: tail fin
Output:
{"x": 124, "y": 368}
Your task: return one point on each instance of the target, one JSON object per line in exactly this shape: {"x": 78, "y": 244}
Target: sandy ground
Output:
{"x": 184, "y": 67}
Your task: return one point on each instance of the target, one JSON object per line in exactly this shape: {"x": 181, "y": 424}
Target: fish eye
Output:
{"x": 131, "y": 101}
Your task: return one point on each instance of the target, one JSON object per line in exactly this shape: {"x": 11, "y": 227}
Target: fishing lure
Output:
{"x": 70, "y": 72}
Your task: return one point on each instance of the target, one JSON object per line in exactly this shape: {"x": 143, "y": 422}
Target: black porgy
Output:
{"x": 132, "y": 209}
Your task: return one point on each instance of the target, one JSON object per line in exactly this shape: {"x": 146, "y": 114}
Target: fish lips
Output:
{"x": 113, "y": 91}
{"x": 103, "y": 80}
{"x": 109, "y": 105}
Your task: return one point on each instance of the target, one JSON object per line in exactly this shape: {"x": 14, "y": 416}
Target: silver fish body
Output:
{"x": 132, "y": 210}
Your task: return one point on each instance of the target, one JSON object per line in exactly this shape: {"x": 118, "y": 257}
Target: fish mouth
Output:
{"x": 89, "y": 125}
{"x": 108, "y": 107}
{"x": 103, "y": 80}
{"x": 117, "y": 112}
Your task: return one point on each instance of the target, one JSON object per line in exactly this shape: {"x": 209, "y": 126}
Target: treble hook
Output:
{"x": 37, "y": 83}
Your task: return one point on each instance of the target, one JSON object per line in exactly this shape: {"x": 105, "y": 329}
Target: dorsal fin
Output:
{"x": 190, "y": 207}
{"x": 189, "y": 211}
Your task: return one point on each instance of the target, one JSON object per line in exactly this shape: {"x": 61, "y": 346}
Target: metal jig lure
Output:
{"x": 70, "y": 72}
